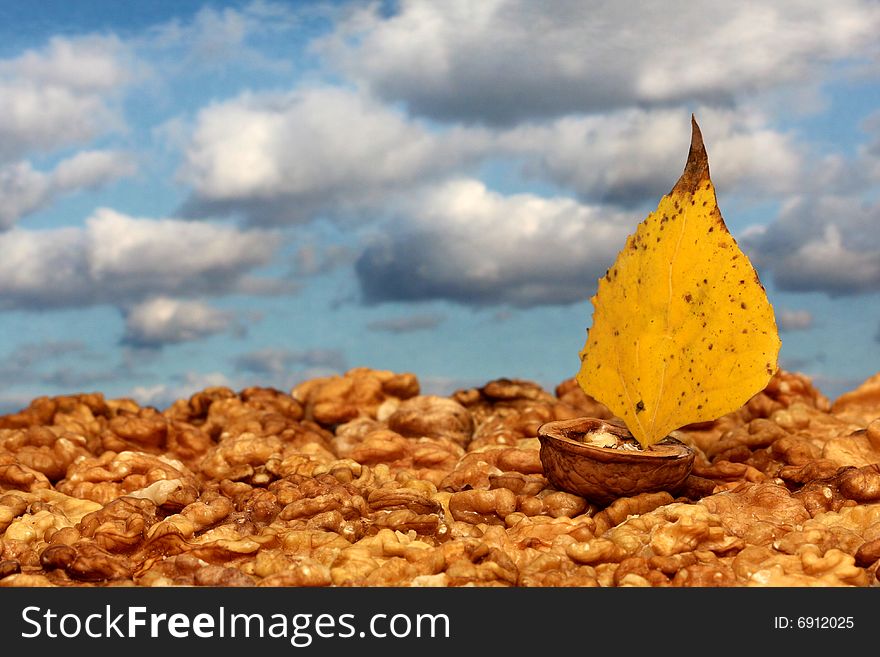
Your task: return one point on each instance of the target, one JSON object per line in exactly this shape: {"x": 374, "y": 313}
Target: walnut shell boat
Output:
{"x": 604, "y": 473}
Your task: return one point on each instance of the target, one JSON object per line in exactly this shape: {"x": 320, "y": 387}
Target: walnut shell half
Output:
{"x": 602, "y": 474}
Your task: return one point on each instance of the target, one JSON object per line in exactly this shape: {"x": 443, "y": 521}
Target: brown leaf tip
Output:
{"x": 696, "y": 170}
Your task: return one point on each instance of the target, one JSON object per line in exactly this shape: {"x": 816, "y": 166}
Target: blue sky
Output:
{"x": 233, "y": 193}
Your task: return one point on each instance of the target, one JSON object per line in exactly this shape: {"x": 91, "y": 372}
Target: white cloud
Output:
{"x": 88, "y": 169}
{"x": 826, "y": 263}
{"x": 61, "y": 95}
{"x": 630, "y": 156}
{"x": 44, "y": 268}
{"x": 163, "y": 320}
{"x": 282, "y": 157}
{"x": 169, "y": 254}
{"x": 25, "y": 190}
{"x": 463, "y": 242}
{"x": 820, "y": 244}
{"x": 119, "y": 259}
{"x": 91, "y": 63}
{"x": 794, "y": 320}
{"x": 505, "y": 60}
{"x": 823, "y": 237}
{"x": 317, "y": 152}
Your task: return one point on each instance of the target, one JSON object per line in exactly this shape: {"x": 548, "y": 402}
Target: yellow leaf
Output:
{"x": 682, "y": 328}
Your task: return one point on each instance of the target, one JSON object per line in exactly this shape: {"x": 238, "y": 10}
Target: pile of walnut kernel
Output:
{"x": 360, "y": 480}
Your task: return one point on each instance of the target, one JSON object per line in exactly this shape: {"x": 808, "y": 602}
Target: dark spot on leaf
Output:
{"x": 640, "y": 406}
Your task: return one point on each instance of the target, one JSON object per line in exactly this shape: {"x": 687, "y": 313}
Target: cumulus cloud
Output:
{"x": 25, "y": 190}
{"x": 159, "y": 321}
{"x": 407, "y": 323}
{"x": 62, "y": 94}
{"x": 120, "y": 260}
{"x": 463, "y": 242}
{"x": 325, "y": 151}
{"x": 635, "y": 155}
{"x": 510, "y": 60}
{"x": 819, "y": 245}
{"x": 822, "y": 239}
{"x": 794, "y": 320}
{"x": 284, "y": 157}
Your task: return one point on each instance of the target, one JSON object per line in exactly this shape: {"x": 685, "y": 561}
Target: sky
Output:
{"x": 259, "y": 193}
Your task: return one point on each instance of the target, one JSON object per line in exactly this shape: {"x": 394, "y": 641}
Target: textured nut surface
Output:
{"x": 433, "y": 416}
{"x": 358, "y": 480}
